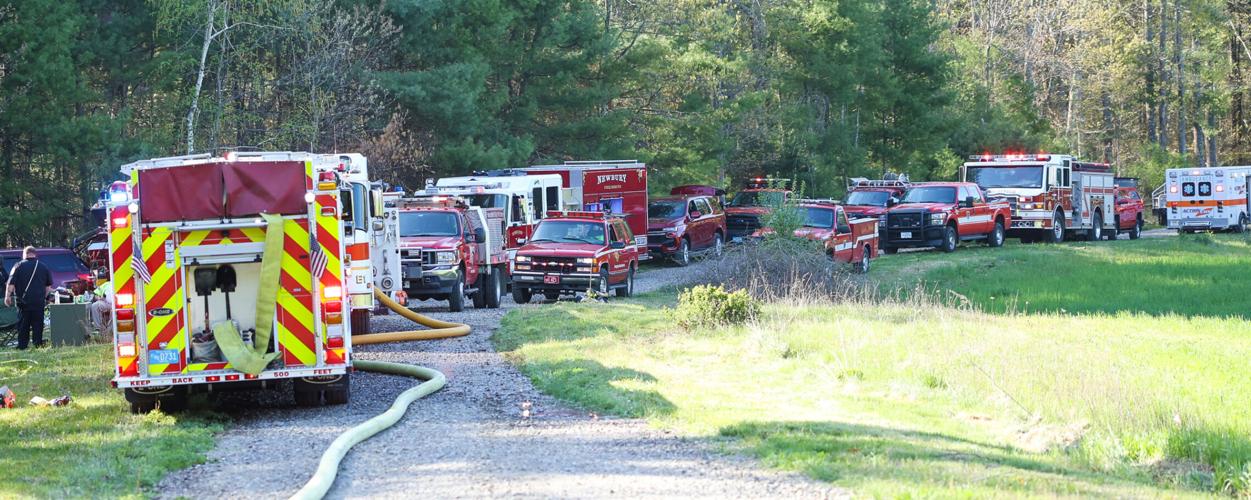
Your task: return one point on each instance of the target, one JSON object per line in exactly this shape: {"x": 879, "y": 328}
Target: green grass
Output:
{"x": 1119, "y": 397}
{"x": 94, "y": 447}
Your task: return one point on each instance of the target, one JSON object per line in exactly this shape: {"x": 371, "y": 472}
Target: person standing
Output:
{"x": 28, "y": 286}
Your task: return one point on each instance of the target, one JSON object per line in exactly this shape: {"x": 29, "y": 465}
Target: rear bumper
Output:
{"x": 227, "y": 376}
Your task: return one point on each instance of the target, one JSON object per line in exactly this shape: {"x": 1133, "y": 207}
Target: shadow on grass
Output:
{"x": 593, "y": 386}
{"x": 861, "y": 456}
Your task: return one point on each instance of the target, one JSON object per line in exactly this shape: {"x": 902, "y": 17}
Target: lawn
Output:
{"x": 94, "y": 447}
{"x": 967, "y": 392}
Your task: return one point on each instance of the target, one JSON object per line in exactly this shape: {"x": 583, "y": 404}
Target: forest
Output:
{"x": 704, "y": 91}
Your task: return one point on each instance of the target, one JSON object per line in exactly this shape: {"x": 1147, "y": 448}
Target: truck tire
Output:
{"x": 495, "y": 287}
{"x": 718, "y": 245}
{"x": 521, "y": 295}
{"x": 1056, "y": 234}
{"x": 627, "y": 290}
{"x": 862, "y": 267}
{"x": 456, "y": 299}
{"x": 996, "y": 237}
{"x": 1095, "y": 233}
{"x": 603, "y": 285}
{"x": 950, "y": 239}
{"x": 307, "y": 395}
{"x": 360, "y": 321}
{"x": 890, "y": 250}
{"x": 1241, "y": 226}
{"x": 339, "y": 392}
{"x": 1136, "y": 231}
{"x": 683, "y": 255}
{"x": 168, "y": 399}
{"x": 479, "y": 297}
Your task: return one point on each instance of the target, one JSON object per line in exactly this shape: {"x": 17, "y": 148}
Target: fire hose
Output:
{"x": 431, "y": 381}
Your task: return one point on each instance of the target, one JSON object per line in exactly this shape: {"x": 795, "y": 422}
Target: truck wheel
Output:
{"x": 862, "y": 267}
{"x": 949, "y": 239}
{"x": 495, "y": 288}
{"x": 360, "y": 321}
{"x": 168, "y": 399}
{"x": 996, "y": 237}
{"x": 890, "y": 250}
{"x": 521, "y": 295}
{"x": 1136, "y": 231}
{"x": 1056, "y": 234}
{"x": 603, "y": 281}
{"x": 627, "y": 290}
{"x": 456, "y": 299}
{"x": 718, "y": 245}
{"x": 1095, "y": 233}
{"x": 339, "y": 392}
{"x": 551, "y": 296}
{"x": 479, "y": 297}
{"x": 683, "y": 257}
{"x": 306, "y": 395}
{"x": 1241, "y": 226}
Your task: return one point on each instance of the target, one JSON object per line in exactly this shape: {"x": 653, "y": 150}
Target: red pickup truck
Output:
{"x": 576, "y": 251}
{"x": 1129, "y": 208}
{"x": 942, "y": 214}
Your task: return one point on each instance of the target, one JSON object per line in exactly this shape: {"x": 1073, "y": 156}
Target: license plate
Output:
{"x": 163, "y": 357}
{"x": 551, "y": 280}
{"x": 737, "y": 239}
{"x": 905, "y": 235}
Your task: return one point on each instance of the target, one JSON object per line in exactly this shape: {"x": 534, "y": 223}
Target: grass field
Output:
{"x": 999, "y": 387}
{"x": 94, "y": 447}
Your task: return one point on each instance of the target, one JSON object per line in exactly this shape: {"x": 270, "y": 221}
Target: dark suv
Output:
{"x": 67, "y": 269}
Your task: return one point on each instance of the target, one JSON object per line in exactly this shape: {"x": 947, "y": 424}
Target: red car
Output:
{"x": 1129, "y": 209}
{"x": 677, "y": 227}
{"x": 942, "y": 214}
{"x": 576, "y": 251}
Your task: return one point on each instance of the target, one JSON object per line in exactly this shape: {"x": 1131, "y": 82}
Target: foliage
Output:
{"x": 707, "y": 305}
{"x": 945, "y": 393}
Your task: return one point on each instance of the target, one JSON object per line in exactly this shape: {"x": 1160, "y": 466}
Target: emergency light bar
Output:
{"x": 767, "y": 183}
{"x": 580, "y": 214}
{"x": 1010, "y": 157}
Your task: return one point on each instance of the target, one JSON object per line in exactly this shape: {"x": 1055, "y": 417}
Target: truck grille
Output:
{"x": 903, "y": 220}
{"x": 554, "y": 264}
{"x": 413, "y": 256}
{"x": 657, "y": 239}
{"x": 742, "y": 224}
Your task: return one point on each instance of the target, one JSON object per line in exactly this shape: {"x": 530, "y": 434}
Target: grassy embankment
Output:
{"x": 94, "y": 447}
{"x": 1112, "y": 369}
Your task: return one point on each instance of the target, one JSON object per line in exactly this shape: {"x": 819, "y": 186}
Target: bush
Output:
{"x": 784, "y": 268}
{"x": 707, "y": 305}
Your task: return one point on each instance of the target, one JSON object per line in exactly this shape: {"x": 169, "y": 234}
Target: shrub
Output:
{"x": 706, "y": 305}
{"x": 784, "y": 268}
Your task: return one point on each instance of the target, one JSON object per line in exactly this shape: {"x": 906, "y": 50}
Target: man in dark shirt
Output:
{"x": 28, "y": 286}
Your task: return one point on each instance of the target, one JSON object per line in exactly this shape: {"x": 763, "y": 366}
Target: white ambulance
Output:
{"x": 1207, "y": 199}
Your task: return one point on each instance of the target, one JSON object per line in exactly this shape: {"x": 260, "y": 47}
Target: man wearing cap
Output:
{"x": 28, "y": 286}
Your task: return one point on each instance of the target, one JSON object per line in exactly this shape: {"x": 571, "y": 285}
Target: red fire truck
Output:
{"x": 942, "y": 214}
{"x": 1052, "y": 196}
{"x": 272, "y": 232}
{"x": 577, "y": 251}
{"x": 449, "y": 250}
{"x": 616, "y": 187}
{"x": 747, "y": 211}
{"x": 872, "y": 197}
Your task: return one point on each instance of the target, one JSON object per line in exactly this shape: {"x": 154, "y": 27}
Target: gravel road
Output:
{"x": 473, "y": 438}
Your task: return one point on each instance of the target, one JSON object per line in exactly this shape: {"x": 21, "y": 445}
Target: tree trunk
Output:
{"x": 1181, "y": 77}
{"x": 1149, "y": 73}
{"x": 199, "y": 77}
{"x": 1106, "y": 101}
{"x": 1161, "y": 93}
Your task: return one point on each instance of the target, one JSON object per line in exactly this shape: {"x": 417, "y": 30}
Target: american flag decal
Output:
{"x": 317, "y": 262}
{"x": 137, "y": 263}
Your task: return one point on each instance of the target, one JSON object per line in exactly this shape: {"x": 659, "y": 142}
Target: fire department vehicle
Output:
{"x": 680, "y": 226}
{"x": 1207, "y": 199}
{"x": 1129, "y": 208}
{"x": 450, "y": 250}
{"x": 746, "y": 212}
{"x": 873, "y": 197}
{"x": 1052, "y": 196}
{"x": 283, "y": 237}
{"x": 942, "y": 214}
{"x": 524, "y": 198}
{"x": 576, "y": 251}
{"x": 849, "y": 240}
{"x": 615, "y": 187}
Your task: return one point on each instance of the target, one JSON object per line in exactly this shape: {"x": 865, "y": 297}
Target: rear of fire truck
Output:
{"x": 230, "y": 273}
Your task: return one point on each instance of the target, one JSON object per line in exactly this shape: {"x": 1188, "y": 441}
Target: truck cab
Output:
{"x": 524, "y": 198}
{"x": 576, "y": 251}
{"x": 450, "y": 251}
{"x": 747, "y": 210}
{"x": 873, "y": 197}
{"x": 942, "y": 214}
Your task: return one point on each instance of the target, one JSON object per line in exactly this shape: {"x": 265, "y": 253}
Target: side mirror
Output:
{"x": 967, "y": 203}
{"x": 479, "y": 235}
{"x": 521, "y": 241}
{"x": 695, "y": 214}
{"x": 844, "y": 229}
{"x": 616, "y": 245}
{"x": 892, "y": 201}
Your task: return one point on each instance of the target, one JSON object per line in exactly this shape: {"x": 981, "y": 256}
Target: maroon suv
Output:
{"x": 67, "y": 269}
{"x": 680, "y": 226}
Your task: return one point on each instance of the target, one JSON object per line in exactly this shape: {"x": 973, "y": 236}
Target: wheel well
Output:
{"x": 999, "y": 219}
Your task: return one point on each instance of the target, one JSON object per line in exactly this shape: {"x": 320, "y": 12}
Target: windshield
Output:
{"x": 667, "y": 209}
{"x": 428, "y": 224}
{"x": 488, "y": 200}
{"x": 936, "y": 194}
{"x": 757, "y": 199}
{"x": 1007, "y": 177}
{"x": 567, "y": 231}
{"x": 874, "y": 198}
{"x": 818, "y": 217}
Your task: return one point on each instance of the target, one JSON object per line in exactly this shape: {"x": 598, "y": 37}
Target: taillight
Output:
{"x": 335, "y": 342}
{"x": 84, "y": 276}
{"x": 119, "y": 222}
{"x": 125, "y": 300}
{"x": 332, "y": 293}
{"x": 333, "y": 312}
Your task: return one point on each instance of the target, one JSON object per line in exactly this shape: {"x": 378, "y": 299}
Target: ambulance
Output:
{"x": 1207, "y": 199}
{"x": 238, "y": 271}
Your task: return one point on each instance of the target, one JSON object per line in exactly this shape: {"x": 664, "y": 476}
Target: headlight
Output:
{"x": 672, "y": 229}
{"x": 445, "y": 258}
{"x": 882, "y": 218}
{"x": 938, "y": 218}
{"x": 523, "y": 259}
{"x": 1026, "y": 206}
{"x": 585, "y": 261}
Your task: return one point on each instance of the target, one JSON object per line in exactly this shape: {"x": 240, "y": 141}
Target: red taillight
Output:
{"x": 333, "y": 307}
{"x": 125, "y": 300}
{"x": 334, "y": 342}
{"x": 84, "y": 276}
{"x": 126, "y": 314}
{"x": 327, "y": 211}
{"x": 119, "y": 222}
{"x": 333, "y": 312}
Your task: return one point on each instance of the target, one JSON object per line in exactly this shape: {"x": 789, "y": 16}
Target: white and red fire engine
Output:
{"x": 1052, "y": 196}
{"x": 524, "y": 198}
{"x": 284, "y": 236}
{"x": 1207, "y": 199}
